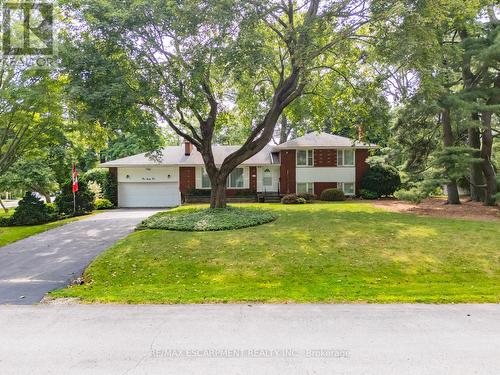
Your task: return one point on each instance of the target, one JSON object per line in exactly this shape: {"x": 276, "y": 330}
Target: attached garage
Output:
{"x": 148, "y": 187}
{"x": 153, "y": 194}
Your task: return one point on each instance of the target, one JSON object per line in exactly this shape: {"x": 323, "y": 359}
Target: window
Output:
{"x": 305, "y": 187}
{"x": 205, "y": 180}
{"x": 345, "y": 158}
{"x": 347, "y": 187}
{"x": 235, "y": 179}
{"x": 305, "y": 158}
{"x": 267, "y": 178}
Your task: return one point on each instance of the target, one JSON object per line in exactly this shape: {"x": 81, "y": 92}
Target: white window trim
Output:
{"x": 307, "y": 158}
{"x": 342, "y": 150}
{"x": 307, "y": 183}
{"x": 340, "y": 185}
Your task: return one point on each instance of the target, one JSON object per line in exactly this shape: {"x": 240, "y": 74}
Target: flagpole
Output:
{"x": 74, "y": 202}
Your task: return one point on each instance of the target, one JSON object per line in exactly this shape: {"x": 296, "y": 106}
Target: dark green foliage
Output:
{"x": 368, "y": 194}
{"x": 103, "y": 204}
{"x": 381, "y": 179}
{"x": 108, "y": 184}
{"x": 84, "y": 199}
{"x": 30, "y": 211}
{"x": 293, "y": 199}
{"x": 307, "y": 196}
{"x": 332, "y": 195}
{"x": 216, "y": 219}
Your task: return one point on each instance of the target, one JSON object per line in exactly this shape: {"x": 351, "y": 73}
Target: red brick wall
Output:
{"x": 325, "y": 157}
{"x": 187, "y": 179}
{"x": 287, "y": 171}
{"x": 253, "y": 179}
{"x": 320, "y": 186}
{"x": 361, "y": 167}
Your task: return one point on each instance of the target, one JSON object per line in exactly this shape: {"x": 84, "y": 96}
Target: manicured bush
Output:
{"x": 84, "y": 199}
{"x": 381, "y": 179}
{"x": 30, "y": 211}
{"x": 102, "y": 204}
{"x": 290, "y": 199}
{"x": 332, "y": 195}
{"x": 301, "y": 200}
{"x": 307, "y": 196}
{"x": 368, "y": 194}
{"x": 196, "y": 219}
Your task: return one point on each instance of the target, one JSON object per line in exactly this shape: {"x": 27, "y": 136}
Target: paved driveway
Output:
{"x": 38, "y": 264}
{"x": 256, "y": 340}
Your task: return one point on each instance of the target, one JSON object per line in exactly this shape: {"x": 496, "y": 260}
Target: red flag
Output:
{"x": 74, "y": 176}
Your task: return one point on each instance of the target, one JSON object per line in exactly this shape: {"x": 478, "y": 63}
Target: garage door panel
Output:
{"x": 132, "y": 194}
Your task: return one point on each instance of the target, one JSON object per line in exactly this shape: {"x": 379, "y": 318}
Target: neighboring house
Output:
{"x": 310, "y": 163}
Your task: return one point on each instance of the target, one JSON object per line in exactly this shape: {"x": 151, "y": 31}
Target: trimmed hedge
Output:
{"x": 293, "y": 199}
{"x": 332, "y": 195}
{"x": 198, "y": 219}
{"x": 307, "y": 196}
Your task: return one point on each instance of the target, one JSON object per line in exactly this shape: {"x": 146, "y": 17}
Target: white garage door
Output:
{"x": 153, "y": 194}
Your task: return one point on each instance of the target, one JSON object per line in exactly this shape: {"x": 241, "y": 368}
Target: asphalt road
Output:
{"x": 242, "y": 339}
{"x": 38, "y": 264}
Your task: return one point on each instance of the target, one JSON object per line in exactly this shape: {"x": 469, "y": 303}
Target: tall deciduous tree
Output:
{"x": 188, "y": 61}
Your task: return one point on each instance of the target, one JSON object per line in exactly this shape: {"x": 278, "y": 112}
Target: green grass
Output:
{"x": 13, "y": 234}
{"x": 206, "y": 219}
{"x": 322, "y": 252}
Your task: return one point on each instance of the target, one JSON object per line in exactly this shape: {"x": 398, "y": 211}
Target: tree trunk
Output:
{"x": 4, "y": 208}
{"x": 218, "y": 197}
{"x": 47, "y": 198}
{"x": 284, "y": 129}
{"x": 451, "y": 186}
{"x": 487, "y": 166}
{"x": 476, "y": 172}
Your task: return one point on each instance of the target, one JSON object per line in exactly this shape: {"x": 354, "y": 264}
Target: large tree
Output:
{"x": 188, "y": 62}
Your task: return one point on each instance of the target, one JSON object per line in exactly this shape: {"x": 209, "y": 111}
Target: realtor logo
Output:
{"x": 28, "y": 32}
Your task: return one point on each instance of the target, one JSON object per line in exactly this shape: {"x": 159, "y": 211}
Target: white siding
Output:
{"x": 326, "y": 174}
{"x": 153, "y": 174}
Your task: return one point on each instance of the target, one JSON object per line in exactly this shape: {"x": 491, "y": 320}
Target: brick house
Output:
{"x": 310, "y": 163}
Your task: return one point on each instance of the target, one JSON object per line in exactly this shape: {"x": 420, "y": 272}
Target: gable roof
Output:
{"x": 323, "y": 140}
{"x": 174, "y": 155}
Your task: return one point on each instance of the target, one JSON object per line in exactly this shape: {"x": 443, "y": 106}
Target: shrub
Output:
{"x": 290, "y": 199}
{"x": 102, "y": 204}
{"x": 381, "y": 179}
{"x": 332, "y": 195}
{"x": 368, "y": 194}
{"x": 106, "y": 182}
{"x": 307, "y": 196}
{"x": 84, "y": 199}
{"x": 301, "y": 200}
{"x": 413, "y": 195}
{"x": 30, "y": 211}
{"x": 196, "y": 219}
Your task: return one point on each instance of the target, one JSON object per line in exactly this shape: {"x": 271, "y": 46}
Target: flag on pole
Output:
{"x": 74, "y": 176}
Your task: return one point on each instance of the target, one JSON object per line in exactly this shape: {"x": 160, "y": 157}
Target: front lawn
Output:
{"x": 321, "y": 252}
{"x": 12, "y": 234}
